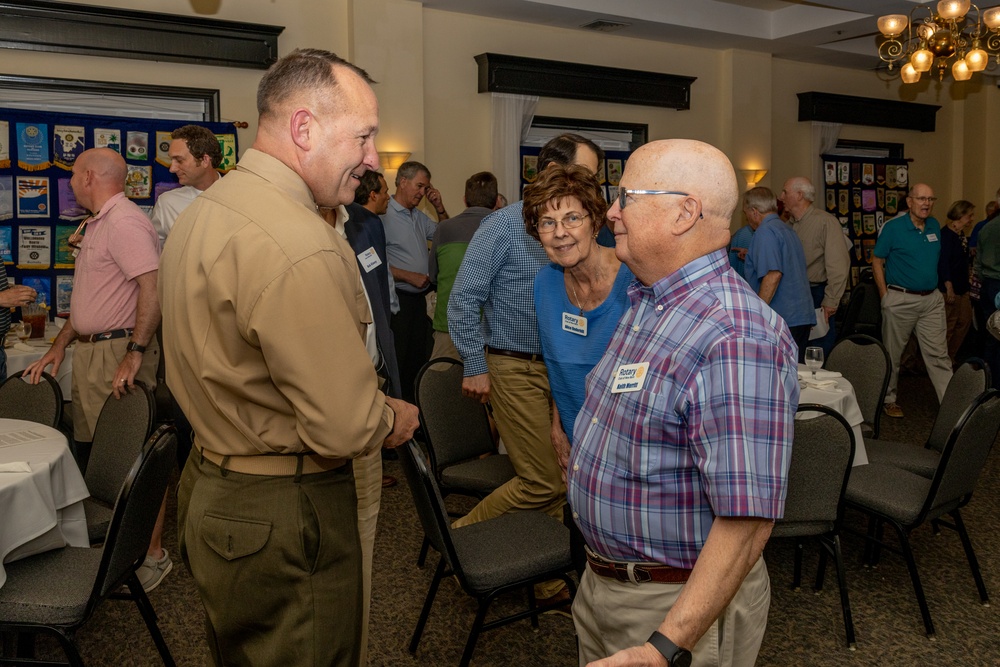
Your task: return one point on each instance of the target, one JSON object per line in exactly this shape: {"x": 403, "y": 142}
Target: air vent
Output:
{"x": 605, "y": 26}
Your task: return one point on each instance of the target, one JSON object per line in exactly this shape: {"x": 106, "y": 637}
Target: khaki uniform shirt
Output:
{"x": 264, "y": 320}
{"x": 827, "y": 257}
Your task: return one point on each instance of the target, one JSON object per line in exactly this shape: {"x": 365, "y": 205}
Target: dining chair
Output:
{"x": 822, "y": 458}
{"x": 122, "y": 428}
{"x": 905, "y": 500}
{"x": 41, "y": 403}
{"x": 864, "y": 312}
{"x": 490, "y": 558}
{"x": 865, "y": 363}
{"x": 970, "y": 380}
{"x": 56, "y": 592}
{"x": 460, "y": 445}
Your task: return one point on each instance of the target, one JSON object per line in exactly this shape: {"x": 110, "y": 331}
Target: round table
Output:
{"x": 42, "y": 509}
{"x": 841, "y": 398}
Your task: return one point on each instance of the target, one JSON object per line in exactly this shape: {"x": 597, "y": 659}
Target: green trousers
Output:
{"x": 277, "y": 562}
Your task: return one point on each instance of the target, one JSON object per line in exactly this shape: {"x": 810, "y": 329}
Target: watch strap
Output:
{"x": 674, "y": 654}
{"x": 135, "y": 347}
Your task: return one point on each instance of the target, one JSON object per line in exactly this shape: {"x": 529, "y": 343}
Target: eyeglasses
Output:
{"x": 925, "y": 200}
{"x": 623, "y": 194}
{"x": 571, "y": 221}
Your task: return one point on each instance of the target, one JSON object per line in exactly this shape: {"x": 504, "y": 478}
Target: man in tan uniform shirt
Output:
{"x": 265, "y": 318}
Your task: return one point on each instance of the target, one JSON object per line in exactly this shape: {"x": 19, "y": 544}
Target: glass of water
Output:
{"x": 814, "y": 359}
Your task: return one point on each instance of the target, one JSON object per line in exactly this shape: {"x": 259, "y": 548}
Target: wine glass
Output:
{"x": 23, "y": 331}
{"x": 814, "y": 359}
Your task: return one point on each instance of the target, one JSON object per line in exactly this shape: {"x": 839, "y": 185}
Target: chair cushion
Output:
{"x": 98, "y": 520}
{"x": 478, "y": 476}
{"x": 896, "y": 493}
{"x": 801, "y": 528}
{"x": 513, "y": 547}
{"x": 51, "y": 588}
{"x": 914, "y": 458}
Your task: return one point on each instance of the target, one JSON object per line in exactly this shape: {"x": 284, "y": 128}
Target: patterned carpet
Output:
{"x": 803, "y": 628}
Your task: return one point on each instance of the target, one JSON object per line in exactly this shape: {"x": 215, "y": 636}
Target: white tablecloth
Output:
{"x": 842, "y": 399}
{"x": 18, "y": 360}
{"x": 43, "y": 509}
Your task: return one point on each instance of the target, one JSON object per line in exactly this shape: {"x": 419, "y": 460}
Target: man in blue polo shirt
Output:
{"x": 905, "y": 266}
{"x": 775, "y": 266}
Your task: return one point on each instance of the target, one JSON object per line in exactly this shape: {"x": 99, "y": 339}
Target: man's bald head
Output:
{"x": 98, "y": 175}
{"x": 659, "y": 234}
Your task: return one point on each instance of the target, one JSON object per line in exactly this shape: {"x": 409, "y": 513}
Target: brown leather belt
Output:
{"x": 919, "y": 292}
{"x": 104, "y": 335}
{"x": 273, "y": 465}
{"x": 516, "y": 355}
{"x": 637, "y": 573}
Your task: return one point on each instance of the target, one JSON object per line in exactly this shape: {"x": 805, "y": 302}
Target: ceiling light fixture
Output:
{"x": 948, "y": 39}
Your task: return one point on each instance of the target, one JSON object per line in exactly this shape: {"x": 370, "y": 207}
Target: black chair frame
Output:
{"x": 124, "y": 587}
{"x": 830, "y": 542}
{"x": 874, "y": 537}
{"x": 56, "y": 390}
{"x": 418, "y": 474}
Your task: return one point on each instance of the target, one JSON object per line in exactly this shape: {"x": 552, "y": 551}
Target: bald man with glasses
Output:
{"x": 905, "y": 265}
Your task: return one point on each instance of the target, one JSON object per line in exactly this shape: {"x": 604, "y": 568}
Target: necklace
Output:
{"x": 578, "y": 304}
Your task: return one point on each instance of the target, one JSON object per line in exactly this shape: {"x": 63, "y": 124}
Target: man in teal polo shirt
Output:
{"x": 905, "y": 266}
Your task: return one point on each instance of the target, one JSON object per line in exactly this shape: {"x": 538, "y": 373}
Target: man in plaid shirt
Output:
{"x": 681, "y": 451}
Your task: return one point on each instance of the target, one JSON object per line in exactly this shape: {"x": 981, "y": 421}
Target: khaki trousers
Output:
{"x": 611, "y": 616}
{"x": 958, "y": 316}
{"x": 277, "y": 563}
{"x": 443, "y": 347}
{"x": 923, "y": 316}
{"x": 519, "y": 394}
{"x": 94, "y": 366}
{"x": 368, "y": 484}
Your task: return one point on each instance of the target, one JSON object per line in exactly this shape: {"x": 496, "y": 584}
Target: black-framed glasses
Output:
{"x": 571, "y": 221}
{"x": 623, "y": 194}
{"x": 925, "y": 200}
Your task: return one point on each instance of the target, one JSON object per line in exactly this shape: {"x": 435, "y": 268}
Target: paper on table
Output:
{"x": 23, "y": 347}
{"x": 825, "y": 385}
{"x": 15, "y": 466}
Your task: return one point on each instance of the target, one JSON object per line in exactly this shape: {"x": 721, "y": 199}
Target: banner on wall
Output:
{"x": 37, "y": 207}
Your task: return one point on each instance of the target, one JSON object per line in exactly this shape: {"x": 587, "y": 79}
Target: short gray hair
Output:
{"x": 805, "y": 186}
{"x": 761, "y": 199}
{"x": 409, "y": 171}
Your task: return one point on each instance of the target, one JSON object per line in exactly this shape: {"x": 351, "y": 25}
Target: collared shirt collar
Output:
{"x": 108, "y": 205}
{"x": 680, "y": 281}
{"x": 275, "y": 171}
{"x": 399, "y": 208}
{"x": 341, "y": 221}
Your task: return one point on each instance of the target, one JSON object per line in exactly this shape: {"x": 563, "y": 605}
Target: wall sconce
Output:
{"x": 392, "y": 160}
{"x": 753, "y": 176}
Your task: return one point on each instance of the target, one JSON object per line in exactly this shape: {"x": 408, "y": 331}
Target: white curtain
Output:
{"x": 824, "y": 140}
{"x": 510, "y": 121}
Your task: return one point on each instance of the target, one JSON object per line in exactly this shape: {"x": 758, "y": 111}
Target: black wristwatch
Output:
{"x": 675, "y": 655}
{"x": 135, "y": 347}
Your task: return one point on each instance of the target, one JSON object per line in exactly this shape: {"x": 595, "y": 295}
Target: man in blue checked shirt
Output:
{"x": 504, "y": 364}
{"x": 680, "y": 458}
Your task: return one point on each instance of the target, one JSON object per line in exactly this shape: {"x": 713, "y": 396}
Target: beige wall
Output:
{"x": 743, "y": 102}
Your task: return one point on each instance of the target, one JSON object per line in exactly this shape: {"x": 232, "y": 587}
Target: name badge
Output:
{"x": 931, "y": 238}
{"x": 629, "y": 377}
{"x": 369, "y": 260}
{"x": 575, "y": 324}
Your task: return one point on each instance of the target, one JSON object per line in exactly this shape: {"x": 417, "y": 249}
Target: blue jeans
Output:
{"x": 3, "y": 364}
{"x": 827, "y": 341}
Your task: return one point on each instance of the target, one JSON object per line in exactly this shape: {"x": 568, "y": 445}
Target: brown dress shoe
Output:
{"x": 388, "y": 480}
{"x": 893, "y": 410}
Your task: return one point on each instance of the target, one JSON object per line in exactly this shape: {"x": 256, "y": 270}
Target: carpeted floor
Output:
{"x": 803, "y": 628}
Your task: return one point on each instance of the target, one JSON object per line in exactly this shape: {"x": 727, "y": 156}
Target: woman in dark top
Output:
{"x": 953, "y": 274}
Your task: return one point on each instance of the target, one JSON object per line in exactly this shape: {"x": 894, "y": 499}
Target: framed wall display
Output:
{"x": 863, "y": 193}
{"x": 38, "y": 211}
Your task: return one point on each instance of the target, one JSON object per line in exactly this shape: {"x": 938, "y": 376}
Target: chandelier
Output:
{"x": 947, "y": 38}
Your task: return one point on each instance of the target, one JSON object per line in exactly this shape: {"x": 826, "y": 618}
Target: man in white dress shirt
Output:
{"x": 194, "y": 156}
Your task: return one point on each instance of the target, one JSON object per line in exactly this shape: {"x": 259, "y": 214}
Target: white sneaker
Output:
{"x": 152, "y": 571}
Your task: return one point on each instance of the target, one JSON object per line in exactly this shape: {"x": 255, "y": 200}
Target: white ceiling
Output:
{"x": 835, "y": 32}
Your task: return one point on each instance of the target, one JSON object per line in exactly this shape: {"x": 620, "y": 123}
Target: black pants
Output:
{"x": 412, "y": 331}
{"x": 800, "y": 335}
